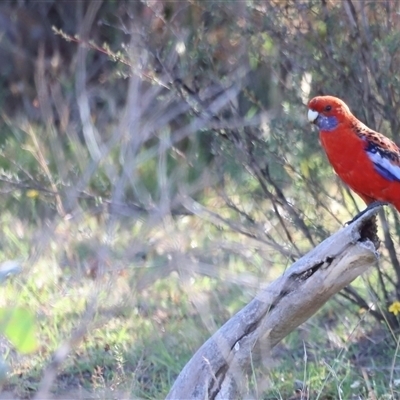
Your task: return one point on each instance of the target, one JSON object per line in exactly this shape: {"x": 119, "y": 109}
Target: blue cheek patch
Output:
{"x": 326, "y": 123}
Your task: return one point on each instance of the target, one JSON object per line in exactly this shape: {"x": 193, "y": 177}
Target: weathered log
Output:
{"x": 216, "y": 371}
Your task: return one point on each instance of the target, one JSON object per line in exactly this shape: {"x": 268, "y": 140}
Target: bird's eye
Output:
{"x": 328, "y": 108}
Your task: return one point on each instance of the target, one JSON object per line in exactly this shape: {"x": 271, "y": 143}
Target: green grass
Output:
{"x": 338, "y": 357}
{"x": 135, "y": 341}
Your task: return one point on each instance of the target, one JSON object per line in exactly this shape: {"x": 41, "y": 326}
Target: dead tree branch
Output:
{"x": 218, "y": 369}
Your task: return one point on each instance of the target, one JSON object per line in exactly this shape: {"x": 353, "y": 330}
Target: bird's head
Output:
{"x": 327, "y": 112}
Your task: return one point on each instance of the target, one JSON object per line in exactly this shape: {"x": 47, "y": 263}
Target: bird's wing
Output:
{"x": 384, "y": 154}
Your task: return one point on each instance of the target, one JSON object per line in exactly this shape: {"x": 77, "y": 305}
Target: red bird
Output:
{"x": 367, "y": 161}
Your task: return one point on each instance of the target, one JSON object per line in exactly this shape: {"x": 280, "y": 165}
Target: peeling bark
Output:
{"x": 217, "y": 370}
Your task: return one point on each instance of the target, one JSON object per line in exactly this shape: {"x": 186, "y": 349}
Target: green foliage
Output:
{"x": 18, "y": 326}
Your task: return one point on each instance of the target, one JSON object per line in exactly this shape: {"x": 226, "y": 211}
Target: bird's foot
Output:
{"x": 370, "y": 206}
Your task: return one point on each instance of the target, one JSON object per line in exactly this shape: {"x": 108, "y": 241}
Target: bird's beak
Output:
{"x": 312, "y": 115}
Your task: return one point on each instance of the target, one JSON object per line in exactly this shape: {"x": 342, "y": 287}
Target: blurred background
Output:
{"x": 157, "y": 170}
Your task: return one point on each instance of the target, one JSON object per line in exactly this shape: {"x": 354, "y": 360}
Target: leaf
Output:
{"x": 32, "y": 193}
{"x": 18, "y": 326}
{"x": 252, "y": 112}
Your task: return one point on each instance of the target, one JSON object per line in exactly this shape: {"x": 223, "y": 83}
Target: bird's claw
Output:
{"x": 370, "y": 206}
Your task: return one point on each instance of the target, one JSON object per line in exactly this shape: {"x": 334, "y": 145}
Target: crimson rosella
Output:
{"x": 367, "y": 161}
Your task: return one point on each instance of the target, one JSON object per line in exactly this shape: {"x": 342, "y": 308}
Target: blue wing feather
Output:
{"x": 384, "y": 154}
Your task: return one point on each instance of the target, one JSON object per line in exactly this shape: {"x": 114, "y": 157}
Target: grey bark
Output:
{"x": 217, "y": 370}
